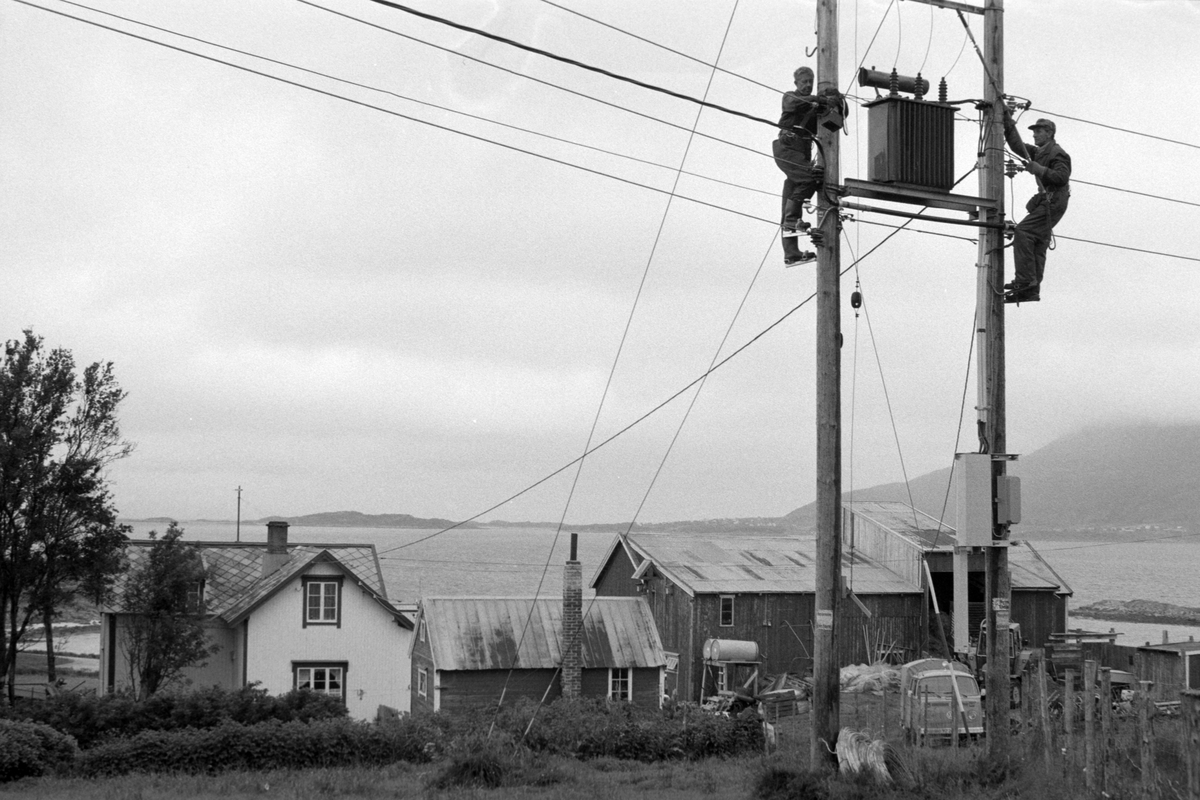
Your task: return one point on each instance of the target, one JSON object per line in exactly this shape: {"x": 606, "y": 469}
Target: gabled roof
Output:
{"x": 752, "y": 563}
{"x": 479, "y": 633}
{"x": 233, "y": 581}
{"x": 1029, "y": 570}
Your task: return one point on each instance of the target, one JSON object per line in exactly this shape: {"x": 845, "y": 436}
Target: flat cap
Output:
{"x": 1045, "y": 123}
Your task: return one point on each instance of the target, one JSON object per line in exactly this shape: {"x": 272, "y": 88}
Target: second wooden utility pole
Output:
{"x": 992, "y": 425}
{"x": 826, "y": 684}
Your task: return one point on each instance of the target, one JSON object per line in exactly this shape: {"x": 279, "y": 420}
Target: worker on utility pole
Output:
{"x": 793, "y": 155}
{"x": 1051, "y": 167}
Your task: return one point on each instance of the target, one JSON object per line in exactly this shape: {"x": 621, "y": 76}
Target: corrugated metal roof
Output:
{"x": 1029, "y": 570}
{"x": 477, "y": 633}
{"x": 233, "y": 581}
{"x": 755, "y": 563}
{"x": 903, "y": 520}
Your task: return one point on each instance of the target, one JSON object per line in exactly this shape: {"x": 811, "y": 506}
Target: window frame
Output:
{"x": 343, "y": 666}
{"x": 422, "y": 681}
{"x": 422, "y": 633}
{"x": 721, "y": 612}
{"x": 194, "y": 601}
{"x": 307, "y": 582}
{"x": 618, "y": 676}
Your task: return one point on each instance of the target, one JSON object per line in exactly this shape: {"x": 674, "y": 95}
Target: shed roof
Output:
{"x": 1029, "y": 570}
{"x": 1178, "y": 648}
{"x": 907, "y": 522}
{"x": 233, "y": 581}
{"x": 754, "y": 563}
{"x": 478, "y": 633}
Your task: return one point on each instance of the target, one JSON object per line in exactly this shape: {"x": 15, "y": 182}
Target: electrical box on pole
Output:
{"x": 987, "y": 503}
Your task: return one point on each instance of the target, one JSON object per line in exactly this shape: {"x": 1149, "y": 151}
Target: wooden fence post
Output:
{"x": 1191, "y": 737}
{"x": 1106, "y": 724}
{"x": 1089, "y": 723}
{"x": 1146, "y": 737}
{"x": 1044, "y": 713}
{"x": 1068, "y": 703}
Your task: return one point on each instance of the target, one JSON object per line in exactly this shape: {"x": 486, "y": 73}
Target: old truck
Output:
{"x": 938, "y": 701}
{"x": 1016, "y": 659}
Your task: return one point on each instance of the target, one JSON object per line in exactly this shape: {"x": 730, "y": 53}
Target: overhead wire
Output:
{"x": 415, "y": 100}
{"x": 1117, "y": 128}
{"x": 571, "y": 61}
{"x": 612, "y": 372}
{"x": 870, "y": 44}
{"x": 962, "y": 412}
{"x": 660, "y": 46}
{"x": 514, "y": 72}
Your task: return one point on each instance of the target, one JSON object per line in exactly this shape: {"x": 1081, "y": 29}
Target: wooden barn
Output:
{"x": 756, "y": 588}
{"x": 1171, "y": 667}
{"x": 468, "y": 651}
{"x": 907, "y": 541}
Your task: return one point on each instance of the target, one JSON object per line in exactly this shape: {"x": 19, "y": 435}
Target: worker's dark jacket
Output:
{"x": 1057, "y": 178}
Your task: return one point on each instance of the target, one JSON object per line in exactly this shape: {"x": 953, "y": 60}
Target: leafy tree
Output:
{"x": 58, "y": 531}
{"x": 164, "y": 599}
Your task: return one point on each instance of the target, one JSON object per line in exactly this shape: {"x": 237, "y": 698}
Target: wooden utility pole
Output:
{"x": 826, "y": 686}
{"x": 990, "y": 328}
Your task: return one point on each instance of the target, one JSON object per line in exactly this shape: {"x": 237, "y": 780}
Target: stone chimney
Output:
{"x": 277, "y": 551}
{"x": 572, "y": 633}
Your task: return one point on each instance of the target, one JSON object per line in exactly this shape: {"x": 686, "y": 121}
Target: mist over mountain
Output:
{"x": 1098, "y": 478}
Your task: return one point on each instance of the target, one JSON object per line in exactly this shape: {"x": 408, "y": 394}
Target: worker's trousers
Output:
{"x": 1033, "y": 236}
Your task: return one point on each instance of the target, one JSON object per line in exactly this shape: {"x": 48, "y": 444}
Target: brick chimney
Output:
{"x": 277, "y": 551}
{"x": 572, "y": 663}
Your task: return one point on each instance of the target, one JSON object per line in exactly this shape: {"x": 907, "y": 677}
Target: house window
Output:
{"x": 726, "y": 610}
{"x": 421, "y": 631}
{"x": 321, "y": 678}
{"x": 620, "y": 683}
{"x": 322, "y": 601}
{"x": 672, "y": 661}
{"x": 422, "y": 681}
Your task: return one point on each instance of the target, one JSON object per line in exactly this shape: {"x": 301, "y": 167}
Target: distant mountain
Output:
{"x": 1100, "y": 478}
{"x": 356, "y": 519}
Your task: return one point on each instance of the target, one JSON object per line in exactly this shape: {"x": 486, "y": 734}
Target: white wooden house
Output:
{"x": 288, "y": 616}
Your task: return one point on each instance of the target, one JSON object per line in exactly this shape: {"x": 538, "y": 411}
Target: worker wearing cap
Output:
{"x": 1051, "y": 167}
{"x": 793, "y": 156}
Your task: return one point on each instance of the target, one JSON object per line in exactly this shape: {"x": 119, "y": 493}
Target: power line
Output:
{"x": 573, "y": 62}
{"x": 409, "y": 99}
{"x": 1116, "y": 128}
{"x": 1132, "y": 191}
{"x": 660, "y": 46}
{"x": 1126, "y": 247}
{"x": 551, "y": 84}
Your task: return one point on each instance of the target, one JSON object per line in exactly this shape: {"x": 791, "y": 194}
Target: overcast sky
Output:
{"x": 337, "y": 307}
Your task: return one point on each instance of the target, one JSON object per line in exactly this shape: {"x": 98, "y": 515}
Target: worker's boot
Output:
{"x": 793, "y": 224}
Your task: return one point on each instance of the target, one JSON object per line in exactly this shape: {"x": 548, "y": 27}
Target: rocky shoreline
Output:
{"x": 1148, "y": 611}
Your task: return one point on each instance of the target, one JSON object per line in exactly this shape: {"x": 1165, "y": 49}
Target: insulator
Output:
{"x": 942, "y": 91}
{"x": 894, "y": 83}
{"x": 856, "y": 299}
{"x": 1010, "y": 168}
{"x": 922, "y": 86}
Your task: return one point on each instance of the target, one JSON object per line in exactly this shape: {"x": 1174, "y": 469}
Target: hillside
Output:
{"x": 1109, "y": 477}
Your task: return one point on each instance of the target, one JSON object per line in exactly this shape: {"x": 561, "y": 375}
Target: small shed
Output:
{"x": 468, "y": 651}
{"x": 1171, "y": 667}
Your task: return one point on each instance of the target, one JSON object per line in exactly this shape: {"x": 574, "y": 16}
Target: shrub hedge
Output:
{"x": 265, "y": 746}
{"x": 91, "y": 719}
{"x": 28, "y": 749}
{"x": 592, "y": 728}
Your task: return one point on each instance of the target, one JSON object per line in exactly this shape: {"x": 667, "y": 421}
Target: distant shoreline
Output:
{"x": 1141, "y": 611}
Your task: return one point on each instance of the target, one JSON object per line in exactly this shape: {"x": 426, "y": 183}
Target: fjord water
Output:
{"x": 512, "y": 562}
